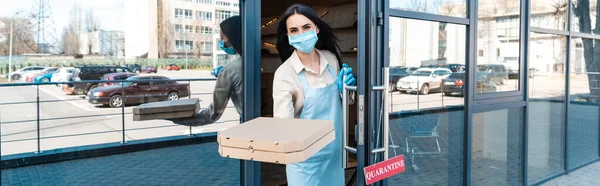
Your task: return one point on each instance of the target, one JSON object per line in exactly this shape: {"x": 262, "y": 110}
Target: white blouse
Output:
{"x": 288, "y": 93}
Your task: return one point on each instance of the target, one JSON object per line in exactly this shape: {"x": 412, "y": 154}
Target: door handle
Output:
{"x": 345, "y": 147}
{"x": 386, "y": 118}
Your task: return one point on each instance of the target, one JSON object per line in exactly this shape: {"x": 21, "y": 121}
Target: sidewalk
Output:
{"x": 589, "y": 175}
{"x": 184, "y": 165}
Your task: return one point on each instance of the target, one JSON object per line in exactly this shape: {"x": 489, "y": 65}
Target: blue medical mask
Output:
{"x": 229, "y": 50}
{"x": 304, "y": 42}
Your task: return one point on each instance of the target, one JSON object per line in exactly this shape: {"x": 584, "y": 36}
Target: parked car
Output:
{"x": 396, "y": 73}
{"x": 410, "y": 70}
{"x": 115, "y": 76}
{"x": 16, "y": 75}
{"x": 149, "y": 69}
{"x": 215, "y": 71}
{"x": 133, "y": 67}
{"x": 455, "y": 84}
{"x": 63, "y": 75}
{"x": 452, "y": 67}
{"x": 172, "y": 67}
{"x": 143, "y": 91}
{"x": 29, "y": 77}
{"x": 423, "y": 80}
{"x": 92, "y": 72}
{"x": 494, "y": 73}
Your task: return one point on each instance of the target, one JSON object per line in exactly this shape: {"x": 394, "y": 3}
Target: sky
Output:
{"x": 108, "y": 12}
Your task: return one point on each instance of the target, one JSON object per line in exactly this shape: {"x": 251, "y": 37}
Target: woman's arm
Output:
{"x": 213, "y": 113}
{"x": 283, "y": 104}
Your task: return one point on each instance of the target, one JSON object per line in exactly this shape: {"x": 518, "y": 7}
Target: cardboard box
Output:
{"x": 275, "y": 140}
{"x": 168, "y": 106}
{"x": 167, "y": 115}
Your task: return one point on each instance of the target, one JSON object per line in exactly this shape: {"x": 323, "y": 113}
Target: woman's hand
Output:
{"x": 349, "y": 80}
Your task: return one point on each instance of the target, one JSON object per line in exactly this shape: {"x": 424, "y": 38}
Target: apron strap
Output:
{"x": 305, "y": 83}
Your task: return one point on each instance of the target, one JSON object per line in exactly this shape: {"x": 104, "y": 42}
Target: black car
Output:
{"x": 494, "y": 73}
{"x": 133, "y": 67}
{"x": 396, "y": 73}
{"x": 92, "y": 72}
{"x": 455, "y": 84}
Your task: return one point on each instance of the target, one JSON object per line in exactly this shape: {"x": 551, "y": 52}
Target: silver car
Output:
{"x": 424, "y": 80}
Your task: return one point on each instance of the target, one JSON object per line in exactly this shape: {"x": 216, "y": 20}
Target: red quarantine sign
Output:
{"x": 384, "y": 169}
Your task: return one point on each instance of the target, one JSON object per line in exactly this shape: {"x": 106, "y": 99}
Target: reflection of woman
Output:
{"x": 229, "y": 82}
{"x": 308, "y": 86}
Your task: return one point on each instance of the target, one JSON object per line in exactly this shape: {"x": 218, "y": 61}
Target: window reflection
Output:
{"x": 496, "y": 147}
{"x": 550, "y": 14}
{"x": 584, "y": 16}
{"x": 455, "y": 8}
{"x": 498, "y": 45}
{"x": 427, "y": 74}
{"x": 583, "y": 111}
{"x": 546, "y": 89}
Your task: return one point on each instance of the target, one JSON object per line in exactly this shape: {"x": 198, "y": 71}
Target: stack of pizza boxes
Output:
{"x": 166, "y": 109}
{"x": 272, "y": 140}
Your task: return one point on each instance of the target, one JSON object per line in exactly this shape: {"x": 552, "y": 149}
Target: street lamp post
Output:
{"x": 10, "y": 48}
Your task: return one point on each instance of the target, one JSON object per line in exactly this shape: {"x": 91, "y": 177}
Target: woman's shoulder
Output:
{"x": 327, "y": 53}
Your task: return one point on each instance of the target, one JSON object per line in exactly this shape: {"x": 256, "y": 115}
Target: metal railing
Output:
{"x": 123, "y": 129}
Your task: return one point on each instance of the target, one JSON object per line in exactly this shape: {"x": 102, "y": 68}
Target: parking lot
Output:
{"x": 69, "y": 120}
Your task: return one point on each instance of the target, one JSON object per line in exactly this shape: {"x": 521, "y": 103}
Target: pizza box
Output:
{"x": 276, "y": 140}
{"x": 168, "y": 106}
{"x": 167, "y": 115}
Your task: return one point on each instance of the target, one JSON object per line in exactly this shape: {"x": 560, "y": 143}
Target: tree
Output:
{"x": 582, "y": 11}
{"x": 91, "y": 26}
{"x": 70, "y": 39}
{"x": 166, "y": 31}
{"x": 22, "y": 39}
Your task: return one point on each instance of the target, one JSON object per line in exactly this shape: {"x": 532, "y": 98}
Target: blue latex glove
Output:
{"x": 349, "y": 81}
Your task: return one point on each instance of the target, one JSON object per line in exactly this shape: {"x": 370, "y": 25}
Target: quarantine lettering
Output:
{"x": 385, "y": 169}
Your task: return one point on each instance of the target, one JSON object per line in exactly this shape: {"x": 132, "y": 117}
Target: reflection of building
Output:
{"x": 102, "y": 42}
{"x": 437, "y": 43}
{"x": 183, "y": 29}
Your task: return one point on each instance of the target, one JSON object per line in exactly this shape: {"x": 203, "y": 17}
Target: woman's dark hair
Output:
{"x": 327, "y": 40}
{"x": 232, "y": 28}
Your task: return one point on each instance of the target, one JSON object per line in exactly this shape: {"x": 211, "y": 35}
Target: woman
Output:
{"x": 308, "y": 86}
{"x": 229, "y": 82}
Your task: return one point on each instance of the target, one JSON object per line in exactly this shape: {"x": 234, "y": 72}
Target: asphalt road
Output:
{"x": 69, "y": 120}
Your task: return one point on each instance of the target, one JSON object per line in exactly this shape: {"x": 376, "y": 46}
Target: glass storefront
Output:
{"x": 479, "y": 92}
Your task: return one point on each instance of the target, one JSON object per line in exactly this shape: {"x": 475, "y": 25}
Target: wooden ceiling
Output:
{"x": 277, "y": 7}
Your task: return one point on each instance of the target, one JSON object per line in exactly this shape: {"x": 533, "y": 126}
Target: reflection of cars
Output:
{"x": 410, "y": 69}
{"x": 172, "y": 67}
{"x": 215, "y": 71}
{"x": 455, "y": 83}
{"x": 29, "y": 77}
{"x": 494, "y": 73}
{"x": 452, "y": 67}
{"x": 92, "y": 72}
{"x": 423, "y": 80}
{"x": 16, "y": 75}
{"x": 149, "y": 69}
{"x": 143, "y": 91}
{"x": 115, "y": 76}
{"x": 133, "y": 67}
{"x": 396, "y": 73}
{"x": 63, "y": 75}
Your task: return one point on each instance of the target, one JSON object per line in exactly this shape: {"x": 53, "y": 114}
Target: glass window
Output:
{"x": 457, "y": 8}
{"x": 496, "y": 148}
{"x": 204, "y": 1}
{"x": 582, "y": 127}
{"x": 221, "y": 3}
{"x": 178, "y": 28}
{"x": 546, "y": 89}
{"x": 550, "y": 14}
{"x": 426, "y": 103}
{"x": 202, "y": 15}
{"x": 585, "y": 16}
{"x": 498, "y": 28}
{"x": 189, "y": 28}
